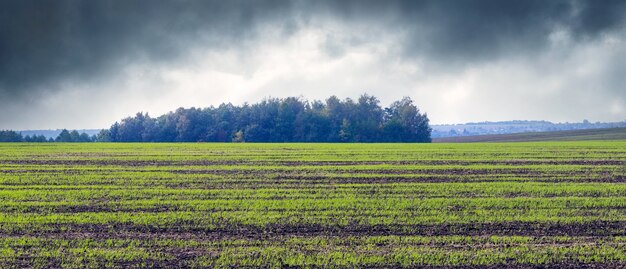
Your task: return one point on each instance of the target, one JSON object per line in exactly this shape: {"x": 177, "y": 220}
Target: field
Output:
{"x": 515, "y": 205}
{"x": 572, "y": 135}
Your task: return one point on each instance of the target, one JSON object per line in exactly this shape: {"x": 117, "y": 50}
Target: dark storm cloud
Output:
{"x": 46, "y": 42}
{"x": 472, "y": 29}
{"x": 467, "y": 30}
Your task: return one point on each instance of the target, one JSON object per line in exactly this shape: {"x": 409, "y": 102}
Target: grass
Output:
{"x": 559, "y": 204}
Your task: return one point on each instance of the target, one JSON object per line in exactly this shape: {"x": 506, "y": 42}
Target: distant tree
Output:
{"x": 131, "y": 128}
{"x": 167, "y": 130}
{"x": 84, "y": 138}
{"x": 39, "y": 139}
{"x": 75, "y": 136}
{"x": 335, "y": 113}
{"x": 192, "y": 125}
{"x": 10, "y": 136}
{"x": 368, "y": 119}
{"x": 64, "y": 136}
{"x": 313, "y": 125}
{"x": 114, "y": 133}
{"x": 262, "y": 125}
{"x": 103, "y": 136}
{"x": 150, "y": 131}
{"x": 404, "y": 123}
{"x": 289, "y": 110}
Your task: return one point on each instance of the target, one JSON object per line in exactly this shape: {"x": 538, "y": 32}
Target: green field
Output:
{"x": 549, "y": 204}
{"x": 571, "y": 135}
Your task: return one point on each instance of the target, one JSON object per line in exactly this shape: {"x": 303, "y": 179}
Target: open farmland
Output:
{"x": 549, "y": 204}
{"x": 570, "y": 135}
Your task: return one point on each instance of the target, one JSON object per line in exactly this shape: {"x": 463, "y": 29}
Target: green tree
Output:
{"x": 103, "y": 136}
{"x": 404, "y": 123}
{"x": 74, "y": 136}
{"x": 289, "y": 119}
{"x": 84, "y": 138}
{"x": 10, "y": 136}
{"x": 64, "y": 136}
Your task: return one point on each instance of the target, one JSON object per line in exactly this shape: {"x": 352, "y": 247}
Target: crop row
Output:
{"x": 312, "y": 205}
{"x": 388, "y": 251}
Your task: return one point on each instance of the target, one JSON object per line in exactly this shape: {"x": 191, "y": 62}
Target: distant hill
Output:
{"x": 517, "y": 126}
{"x": 55, "y": 133}
{"x": 571, "y": 135}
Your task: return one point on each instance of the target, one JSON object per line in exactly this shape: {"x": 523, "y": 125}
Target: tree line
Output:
{"x": 290, "y": 119}
{"x": 64, "y": 136}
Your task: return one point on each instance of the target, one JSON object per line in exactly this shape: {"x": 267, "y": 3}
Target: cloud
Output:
{"x": 569, "y": 81}
{"x": 48, "y": 41}
{"x": 114, "y": 58}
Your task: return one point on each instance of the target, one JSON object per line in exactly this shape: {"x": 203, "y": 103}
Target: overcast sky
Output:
{"x": 87, "y": 64}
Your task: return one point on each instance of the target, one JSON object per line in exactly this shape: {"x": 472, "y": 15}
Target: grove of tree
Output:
{"x": 288, "y": 119}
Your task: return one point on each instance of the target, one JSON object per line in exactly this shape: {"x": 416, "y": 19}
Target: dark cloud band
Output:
{"x": 47, "y": 40}
{"x": 44, "y": 42}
